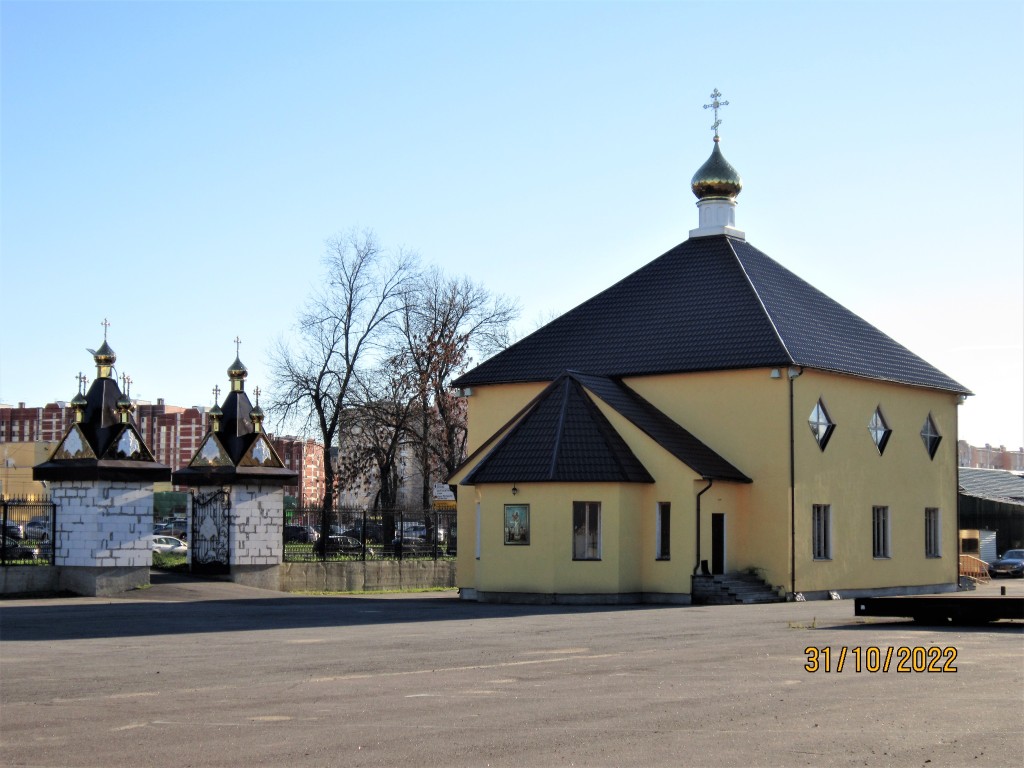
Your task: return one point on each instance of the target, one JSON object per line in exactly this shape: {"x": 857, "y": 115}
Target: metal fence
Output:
{"x": 360, "y": 534}
{"x": 29, "y": 528}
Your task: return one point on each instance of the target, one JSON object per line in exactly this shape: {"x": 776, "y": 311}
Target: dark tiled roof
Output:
{"x": 995, "y": 484}
{"x": 663, "y": 430}
{"x": 711, "y": 303}
{"x": 562, "y": 437}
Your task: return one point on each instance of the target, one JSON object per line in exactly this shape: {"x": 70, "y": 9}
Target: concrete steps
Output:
{"x": 732, "y": 589}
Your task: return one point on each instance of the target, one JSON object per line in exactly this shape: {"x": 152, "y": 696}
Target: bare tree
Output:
{"x": 338, "y": 332}
{"x": 443, "y": 322}
{"x": 384, "y": 401}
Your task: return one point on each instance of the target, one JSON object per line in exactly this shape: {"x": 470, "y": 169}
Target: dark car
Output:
{"x": 374, "y": 533}
{"x": 300, "y": 533}
{"x": 176, "y": 528}
{"x": 15, "y": 550}
{"x": 410, "y": 546}
{"x": 346, "y": 545}
{"x": 13, "y": 530}
{"x": 1010, "y": 564}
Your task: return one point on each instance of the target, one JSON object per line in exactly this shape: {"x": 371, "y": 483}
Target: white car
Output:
{"x": 168, "y": 545}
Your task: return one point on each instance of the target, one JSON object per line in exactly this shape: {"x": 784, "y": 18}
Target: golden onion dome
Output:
{"x": 104, "y": 355}
{"x": 237, "y": 371}
{"x": 716, "y": 178}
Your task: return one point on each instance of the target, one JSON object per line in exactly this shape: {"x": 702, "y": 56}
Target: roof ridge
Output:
{"x": 560, "y": 428}
{"x": 760, "y": 301}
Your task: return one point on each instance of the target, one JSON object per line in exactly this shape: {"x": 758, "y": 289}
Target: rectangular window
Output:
{"x": 586, "y": 530}
{"x": 880, "y": 544}
{"x": 821, "y": 519}
{"x": 662, "y": 526}
{"x": 932, "y": 533}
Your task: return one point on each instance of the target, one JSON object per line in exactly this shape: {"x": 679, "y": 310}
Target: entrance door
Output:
{"x": 210, "y": 530}
{"x": 717, "y": 543}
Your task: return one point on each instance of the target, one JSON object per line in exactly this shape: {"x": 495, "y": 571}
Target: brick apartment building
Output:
{"x": 987, "y": 457}
{"x": 173, "y": 433}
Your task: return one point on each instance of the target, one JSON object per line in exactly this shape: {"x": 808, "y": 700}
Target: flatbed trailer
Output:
{"x": 943, "y": 609}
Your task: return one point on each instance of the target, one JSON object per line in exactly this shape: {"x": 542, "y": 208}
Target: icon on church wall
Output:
{"x": 517, "y": 523}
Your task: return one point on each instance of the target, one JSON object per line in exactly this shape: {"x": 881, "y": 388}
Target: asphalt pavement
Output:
{"x": 207, "y": 673}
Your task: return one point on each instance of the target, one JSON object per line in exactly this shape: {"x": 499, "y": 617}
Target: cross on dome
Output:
{"x": 715, "y": 105}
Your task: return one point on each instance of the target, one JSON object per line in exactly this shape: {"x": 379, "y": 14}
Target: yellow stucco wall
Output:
{"x": 852, "y": 477}
{"x": 745, "y": 417}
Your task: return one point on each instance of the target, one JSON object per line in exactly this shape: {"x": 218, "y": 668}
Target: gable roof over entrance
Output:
{"x": 562, "y": 436}
{"x": 711, "y": 303}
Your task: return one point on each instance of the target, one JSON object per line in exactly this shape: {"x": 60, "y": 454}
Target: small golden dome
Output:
{"x": 104, "y": 355}
{"x": 237, "y": 371}
{"x": 716, "y": 178}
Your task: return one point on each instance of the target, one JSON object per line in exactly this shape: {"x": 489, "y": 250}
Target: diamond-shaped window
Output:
{"x": 821, "y": 425}
{"x": 879, "y": 430}
{"x": 931, "y": 437}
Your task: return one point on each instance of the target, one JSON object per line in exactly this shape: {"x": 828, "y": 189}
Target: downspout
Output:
{"x": 711, "y": 482}
{"x": 792, "y": 493}
{"x": 956, "y": 483}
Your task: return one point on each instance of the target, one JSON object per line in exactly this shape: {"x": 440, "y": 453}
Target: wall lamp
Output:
{"x": 514, "y": 489}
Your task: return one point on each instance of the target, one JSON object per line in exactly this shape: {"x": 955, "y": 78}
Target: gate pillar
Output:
{"x": 238, "y": 458}
{"x": 101, "y": 478}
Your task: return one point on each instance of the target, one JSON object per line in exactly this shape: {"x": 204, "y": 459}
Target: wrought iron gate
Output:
{"x": 210, "y": 532}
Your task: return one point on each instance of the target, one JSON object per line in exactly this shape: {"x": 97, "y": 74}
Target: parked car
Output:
{"x": 168, "y": 545}
{"x": 38, "y": 528}
{"x": 14, "y": 530}
{"x": 300, "y": 533}
{"x": 419, "y": 531}
{"x": 347, "y": 545}
{"x": 1010, "y": 564}
{"x": 176, "y": 528}
{"x": 409, "y": 546}
{"x": 15, "y": 550}
{"x": 374, "y": 533}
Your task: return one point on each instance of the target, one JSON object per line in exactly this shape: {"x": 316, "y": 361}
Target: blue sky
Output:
{"x": 176, "y": 167}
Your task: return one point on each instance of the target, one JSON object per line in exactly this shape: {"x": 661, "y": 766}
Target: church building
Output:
{"x": 711, "y": 413}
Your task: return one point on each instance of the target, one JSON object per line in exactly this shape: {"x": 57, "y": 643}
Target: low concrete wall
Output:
{"x": 27, "y": 580}
{"x": 261, "y": 576}
{"x": 368, "y": 576}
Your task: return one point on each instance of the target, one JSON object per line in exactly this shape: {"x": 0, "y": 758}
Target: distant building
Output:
{"x": 172, "y": 432}
{"x": 993, "y": 500}
{"x": 987, "y": 457}
{"x": 305, "y": 456}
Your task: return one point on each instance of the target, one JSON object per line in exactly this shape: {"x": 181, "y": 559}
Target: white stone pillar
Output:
{"x": 257, "y": 533}
{"x": 102, "y": 541}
